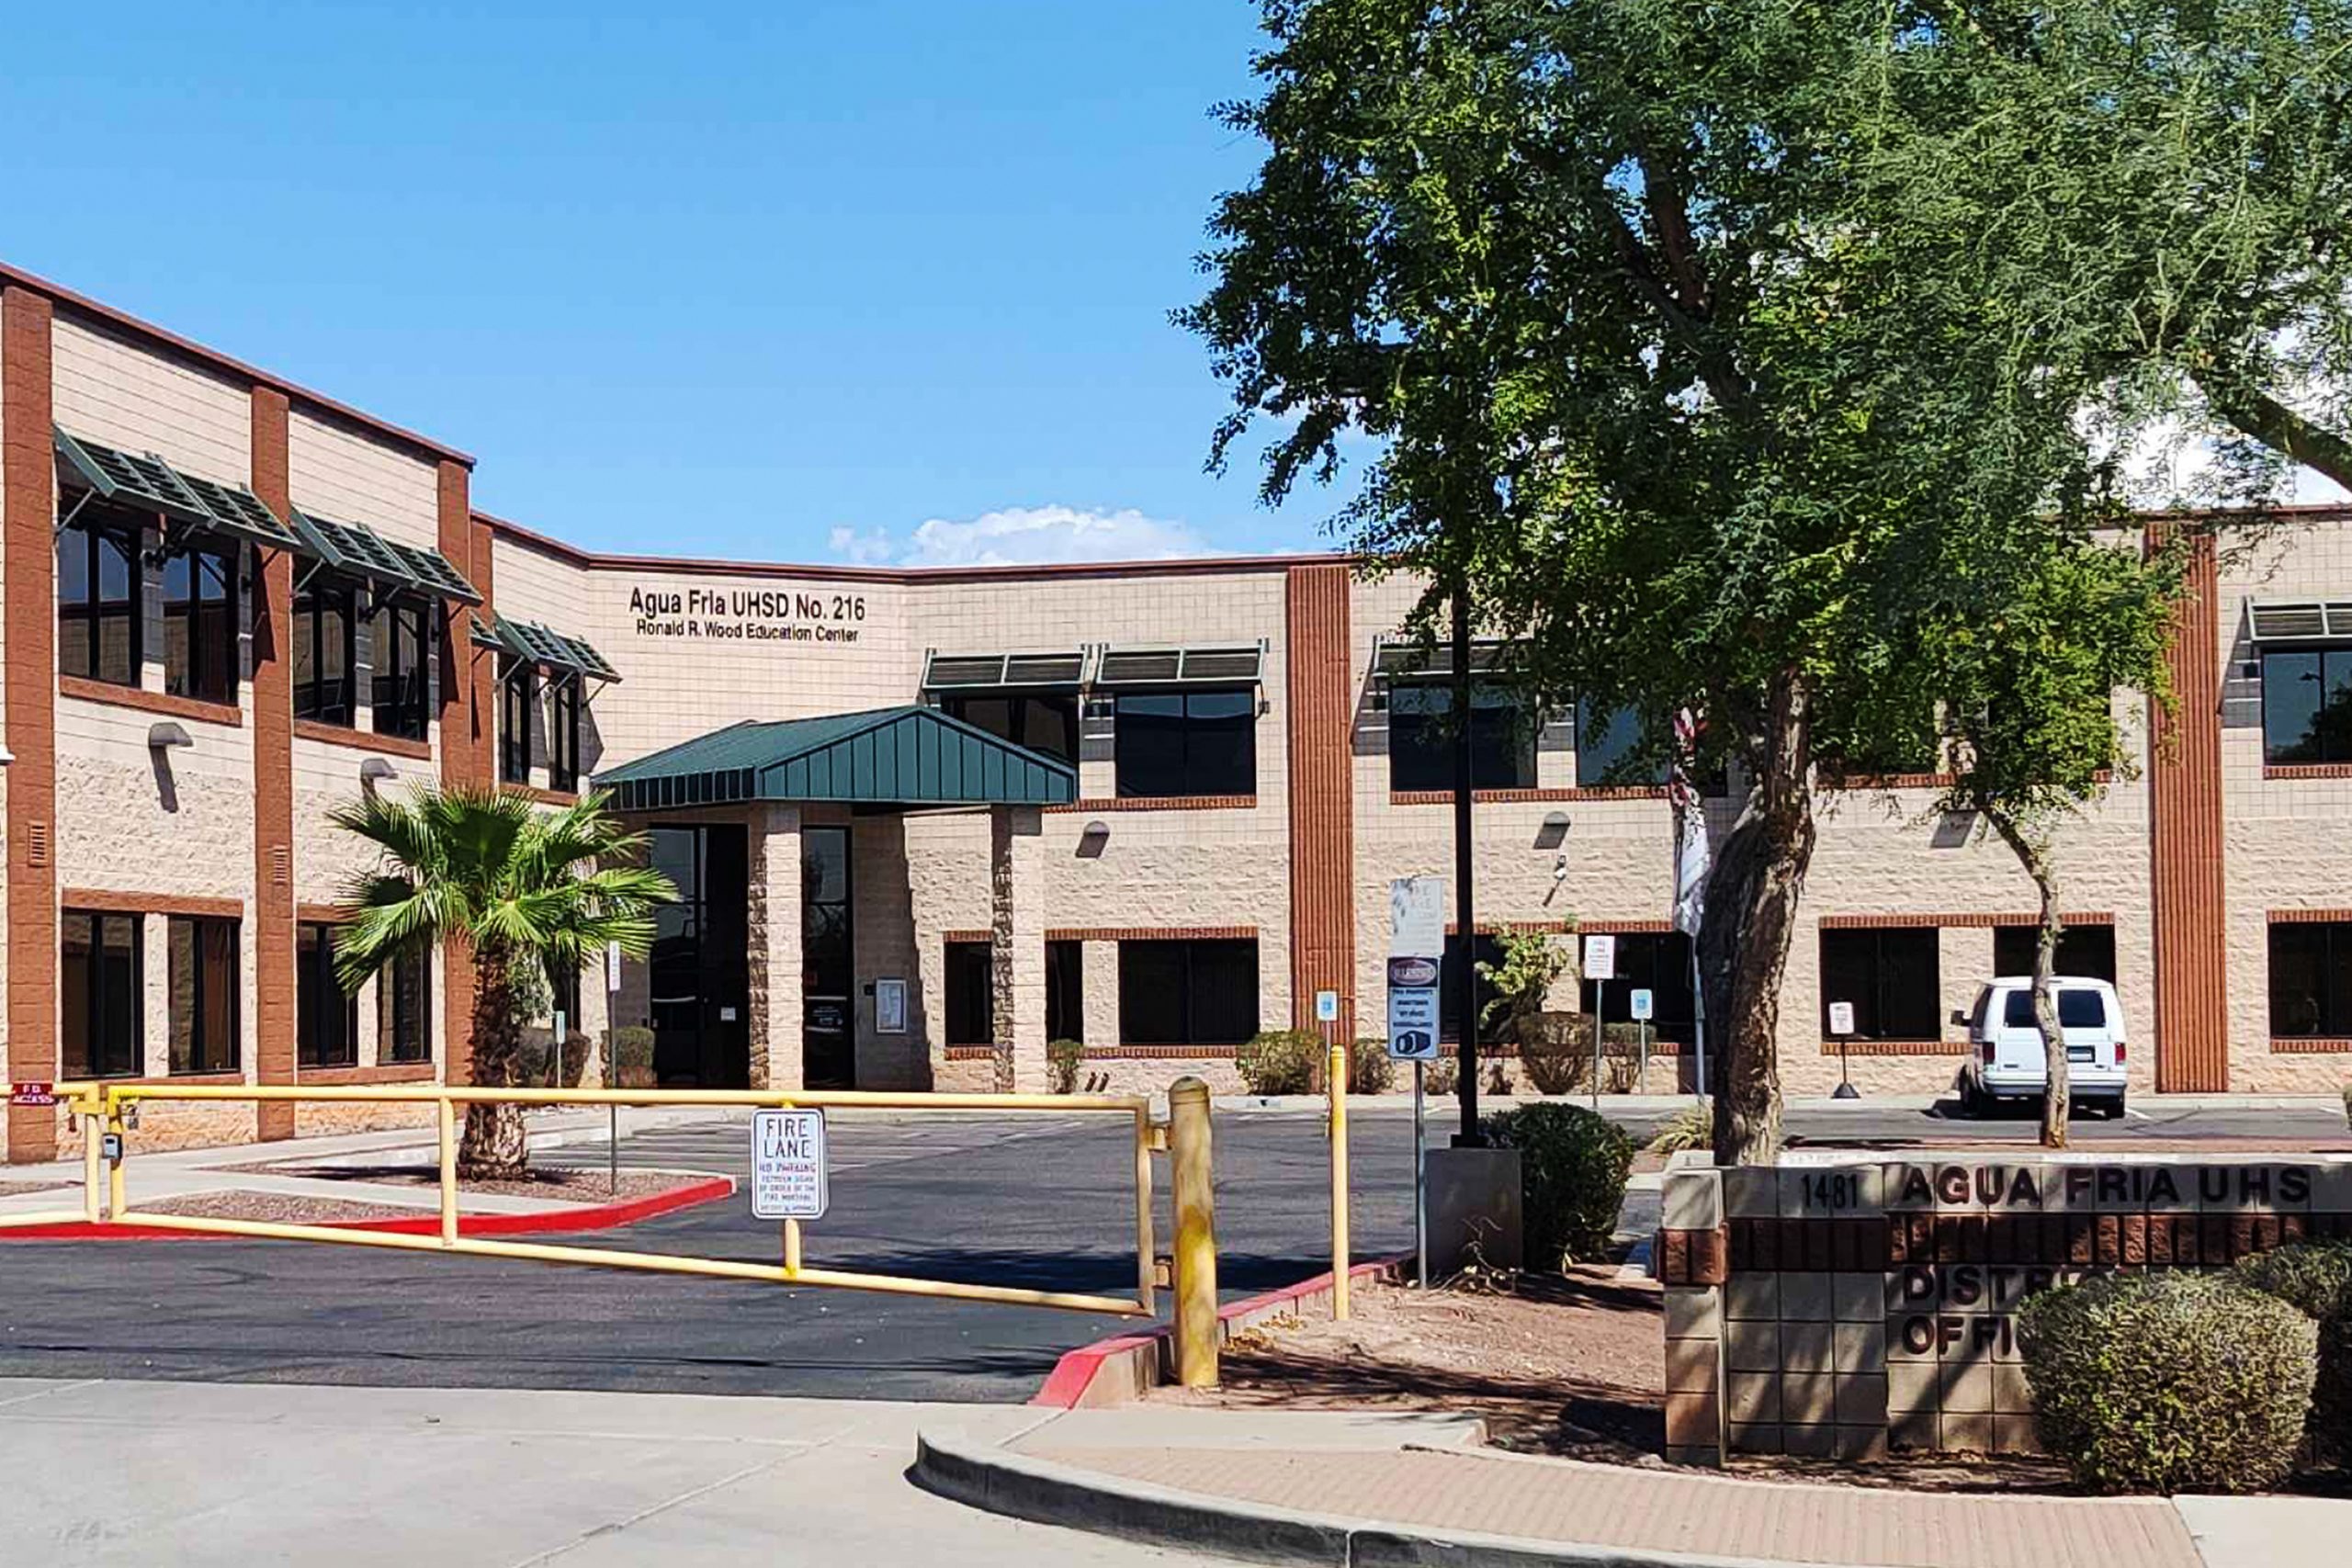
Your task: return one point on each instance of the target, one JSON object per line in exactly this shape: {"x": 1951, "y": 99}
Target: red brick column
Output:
{"x": 27, "y": 514}
{"x": 273, "y": 620}
{"x": 2185, "y": 845}
{"x": 467, "y": 713}
{"x": 1321, "y": 718}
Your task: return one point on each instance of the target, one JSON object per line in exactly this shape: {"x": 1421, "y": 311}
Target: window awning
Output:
{"x": 899, "y": 756}
{"x": 981, "y": 671}
{"x": 2301, "y": 620}
{"x": 545, "y": 646}
{"x": 358, "y": 550}
{"x": 151, "y": 484}
{"x": 1191, "y": 665}
{"x": 1409, "y": 659}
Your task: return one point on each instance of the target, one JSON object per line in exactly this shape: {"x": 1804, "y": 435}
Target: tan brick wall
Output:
{"x": 115, "y": 391}
{"x": 351, "y": 476}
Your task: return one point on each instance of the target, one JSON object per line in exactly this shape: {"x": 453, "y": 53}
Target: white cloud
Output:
{"x": 1026, "y": 536}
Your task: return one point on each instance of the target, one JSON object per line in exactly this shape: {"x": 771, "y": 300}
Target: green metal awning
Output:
{"x": 900, "y": 756}
{"x": 150, "y": 484}
{"x": 544, "y": 646}
{"x": 358, "y": 550}
{"x": 1409, "y": 659}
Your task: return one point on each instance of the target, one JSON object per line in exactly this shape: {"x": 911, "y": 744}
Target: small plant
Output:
{"x": 1370, "y": 1071}
{"x": 1522, "y": 981}
{"x": 632, "y": 1057}
{"x": 1062, "y": 1060}
{"x": 1440, "y": 1077}
{"x": 1281, "y": 1061}
{"x": 1555, "y": 1051}
{"x": 2169, "y": 1381}
{"x": 1693, "y": 1127}
{"x": 1497, "y": 1074}
{"x": 2315, "y": 1278}
{"x": 1573, "y": 1165}
{"x": 2347, "y": 1105}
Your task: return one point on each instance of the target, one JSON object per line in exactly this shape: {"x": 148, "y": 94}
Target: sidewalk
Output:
{"x": 1203, "y": 1480}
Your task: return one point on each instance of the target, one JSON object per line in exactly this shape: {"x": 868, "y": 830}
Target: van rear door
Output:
{"x": 2018, "y": 1043}
{"x": 2081, "y": 1019}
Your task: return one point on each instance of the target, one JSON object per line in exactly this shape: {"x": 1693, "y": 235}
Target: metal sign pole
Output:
{"x": 1644, "y": 1033}
{"x": 1421, "y": 1186}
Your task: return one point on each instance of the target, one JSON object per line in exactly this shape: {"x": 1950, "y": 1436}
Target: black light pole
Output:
{"x": 1466, "y": 984}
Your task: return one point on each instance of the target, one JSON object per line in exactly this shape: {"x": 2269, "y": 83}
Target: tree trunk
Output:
{"x": 2058, "y": 1088}
{"x": 1752, "y": 900}
{"x": 494, "y": 1147}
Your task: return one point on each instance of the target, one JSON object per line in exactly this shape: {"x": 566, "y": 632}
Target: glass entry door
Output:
{"x": 828, "y": 965}
{"x": 701, "y": 968}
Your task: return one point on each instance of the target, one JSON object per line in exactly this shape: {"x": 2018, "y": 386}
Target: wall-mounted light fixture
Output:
{"x": 1554, "y": 831}
{"x": 376, "y": 771}
{"x": 1092, "y": 839}
{"x": 165, "y": 734}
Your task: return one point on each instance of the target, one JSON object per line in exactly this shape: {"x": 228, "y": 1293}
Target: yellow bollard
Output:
{"x": 792, "y": 1249}
{"x": 1190, "y": 1168}
{"x": 1335, "y": 1081}
{"x": 92, "y": 1206}
{"x": 448, "y": 1120}
{"x": 116, "y": 1201}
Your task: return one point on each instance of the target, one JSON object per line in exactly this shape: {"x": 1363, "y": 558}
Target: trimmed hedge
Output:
{"x": 2315, "y": 1278}
{"x": 1281, "y": 1061}
{"x": 1573, "y": 1165}
{"x": 2169, "y": 1381}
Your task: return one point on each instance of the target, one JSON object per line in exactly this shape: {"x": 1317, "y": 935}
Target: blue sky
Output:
{"x": 784, "y": 280}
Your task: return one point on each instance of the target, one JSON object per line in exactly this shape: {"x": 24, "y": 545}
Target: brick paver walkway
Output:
{"x": 1610, "y": 1506}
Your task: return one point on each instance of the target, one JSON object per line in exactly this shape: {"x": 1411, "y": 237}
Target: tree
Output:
{"x": 528, "y": 890}
{"x": 2032, "y": 653}
{"x": 1649, "y": 365}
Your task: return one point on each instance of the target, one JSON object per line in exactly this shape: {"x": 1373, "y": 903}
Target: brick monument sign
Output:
{"x": 1845, "y": 1310}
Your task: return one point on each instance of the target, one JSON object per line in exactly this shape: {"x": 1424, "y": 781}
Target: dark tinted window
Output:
{"x": 403, "y": 649}
{"x": 1891, "y": 976}
{"x": 1486, "y": 949}
{"x": 1421, "y": 738}
{"x": 2310, "y": 980}
{"x": 2079, "y": 1009}
{"x": 2307, "y": 705}
{"x": 518, "y": 701}
{"x": 1659, "y": 963}
{"x": 1201, "y": 992}
{"x": 325, "y": 676}
{"x": 1042, "y": 721}
{"x": 1186, "y": 743}
{"x": 200, "y": 624}
{"x": 1606, "y": 758}
{"x": 404, "y": 1008}
{"x": 326, "y": 1022}
{"x": 101, "y": 1007}
{"x": 2017, "y": 1011}
{"x": 1066, "y": 991}
{"x": 563, "y": 734}
{"x": 203, "y": 981}
{"x": 2085, "y": 951}
{"x": 971, "y": 994}
{"x": 98, "y": 620}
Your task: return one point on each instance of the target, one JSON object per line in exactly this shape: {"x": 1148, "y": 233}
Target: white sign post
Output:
{"x": 788, "y": 1165}
{"x": 1841, "y": 1025}
{"x": 1416, "y": 946}
{"x": 1599, "y": 966}
{"x": 1642, "y": 1005}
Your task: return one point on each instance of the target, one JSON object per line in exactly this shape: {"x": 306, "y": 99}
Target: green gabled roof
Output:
{"x": 901, "y": 756}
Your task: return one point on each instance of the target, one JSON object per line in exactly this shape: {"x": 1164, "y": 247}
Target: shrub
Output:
{"x": 2315, "y": 1278}
{"x": 1370, "y": 1071}
{"x": 1440, "y": 1077}
{"x": 1281, "y": 1061}
{"x": 1533, "y": 960}
{"x": 632, "y": 1057}
{"x": 1062, "y": 1059}
{"x": 2347, "y": 1105}
{"x": 1693, "y": 1127}
{"x": 534, "y": 1061}
{"x": 1573, "y": 1164}
{"x": 2169, "y": 1381}
{"x": 1555, "y": 1051}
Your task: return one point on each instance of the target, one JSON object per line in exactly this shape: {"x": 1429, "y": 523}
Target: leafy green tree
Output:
{"x": 528, "y": 890}
{"x": 2033, "y": 655}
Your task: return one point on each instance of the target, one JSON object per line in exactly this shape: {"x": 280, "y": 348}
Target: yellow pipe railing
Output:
{"x": 102, "y": 1106}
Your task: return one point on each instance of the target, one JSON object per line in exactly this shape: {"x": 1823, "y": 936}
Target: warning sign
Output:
{"x": 33, "y": 1094}
{"x": 788, "y": 1165}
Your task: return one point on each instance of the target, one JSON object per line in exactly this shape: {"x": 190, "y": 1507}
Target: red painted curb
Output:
{"x": 597, "y": 1217}
{"x": 1076, "y": 1371}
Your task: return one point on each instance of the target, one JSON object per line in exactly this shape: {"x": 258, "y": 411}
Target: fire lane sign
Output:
{"x": 788, "y": 1165}
{"x": 34, "y": 1094}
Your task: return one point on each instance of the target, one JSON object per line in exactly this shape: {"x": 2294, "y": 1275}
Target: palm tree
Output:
{"x": 522, "y": 887}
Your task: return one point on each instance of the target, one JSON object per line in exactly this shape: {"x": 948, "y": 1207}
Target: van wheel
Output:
{"x": 1972, "y": 1104}
{"x": 2115, "y": 1111}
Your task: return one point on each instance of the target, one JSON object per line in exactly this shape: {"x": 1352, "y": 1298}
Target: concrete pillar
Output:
{"x": 773, "y": 935}
{"x": 1102, "y": 962}
{"x": 1017, "y": 927}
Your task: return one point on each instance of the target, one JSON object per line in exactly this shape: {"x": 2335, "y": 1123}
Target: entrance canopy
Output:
{"x": 900, "y": 756}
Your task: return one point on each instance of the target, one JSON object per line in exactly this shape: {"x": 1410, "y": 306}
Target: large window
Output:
{"x": 99, "y": 979}
{"x": 1891, "y": 975}
{"x": 326, "y": 1022}
{"x": 518, "y": 696}
{"x": 1422, "y": 736}
{"x": 203, "y": 976}
{"x": 1609, "y": 756}
{"x": 563, "y": 733}
{"x": 1066, "y": 991}
{"x": 401, "y": 691}
{"x": 1486, "y": 949}
{"x": 2310, "y": 980}
{"x": 200, "y": 622}
{"x": 97, "y": 596}
{"x": 971, "y": 994}
{"x": 1655, "y": 962}
{"x": 2086, "y": 953}
{"x": 1181, "y": 743}
{"x": 1043, "y": 721}
{"x": 325, "y": 669}
{"x": 2307, "y": 705}
{"x": 404, "y": 1008}
{"x": 1201, "y": 992}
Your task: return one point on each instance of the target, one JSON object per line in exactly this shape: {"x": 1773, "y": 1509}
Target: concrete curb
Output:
{"x": 1118, "y": 1370}
{"x": 998, "y": 1482}
{"x": 589, "y": 1217}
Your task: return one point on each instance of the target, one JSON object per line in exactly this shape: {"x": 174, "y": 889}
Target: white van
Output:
{"x": 2005, "y": 1059}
